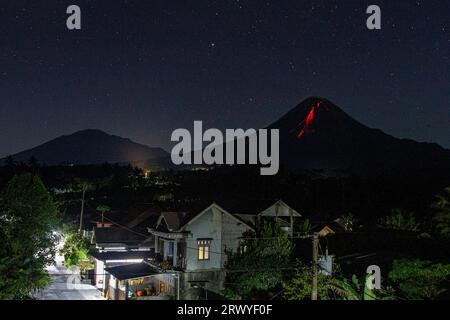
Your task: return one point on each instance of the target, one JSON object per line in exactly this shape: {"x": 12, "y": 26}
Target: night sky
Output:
{"x": 142, "y": 68}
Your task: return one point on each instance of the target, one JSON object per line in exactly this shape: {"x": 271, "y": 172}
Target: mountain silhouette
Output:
{"x": 318, "y": 135}
{"x": 90, "y": 147}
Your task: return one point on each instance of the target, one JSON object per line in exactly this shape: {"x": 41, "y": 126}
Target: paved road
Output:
{"x": 66, "y": 286}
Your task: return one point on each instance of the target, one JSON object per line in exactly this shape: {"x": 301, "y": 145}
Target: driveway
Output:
{"x": 66, "y": 285}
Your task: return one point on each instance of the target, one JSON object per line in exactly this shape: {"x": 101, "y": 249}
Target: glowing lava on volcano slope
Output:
{"x": 306, "y": 126}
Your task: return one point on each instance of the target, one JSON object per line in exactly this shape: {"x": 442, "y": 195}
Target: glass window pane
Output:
{"x": 201, "y": 253}
{"x": 206, "y": 252}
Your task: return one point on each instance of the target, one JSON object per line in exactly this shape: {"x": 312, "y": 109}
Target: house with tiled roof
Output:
{"x": 189, "y": 250}
{"x": 195, "y": 243}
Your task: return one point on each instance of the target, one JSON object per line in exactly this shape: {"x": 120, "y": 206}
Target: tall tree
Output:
{"x": 27, "y": 216}
{"x": 76, "y": 247}
{"x": 83, "y": 185}
{"x": 299, "y": 286}
{"x": 260, "y": 264}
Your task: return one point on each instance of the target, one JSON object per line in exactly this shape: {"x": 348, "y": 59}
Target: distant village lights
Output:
{"x": 229, "y": 149}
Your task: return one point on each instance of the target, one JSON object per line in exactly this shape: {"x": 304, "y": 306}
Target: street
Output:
{"x": 66, "y": 286}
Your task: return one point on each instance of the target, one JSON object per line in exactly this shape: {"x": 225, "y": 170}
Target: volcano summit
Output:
{"x": 318, "y": 135}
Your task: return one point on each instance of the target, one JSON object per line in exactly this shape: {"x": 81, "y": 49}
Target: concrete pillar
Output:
{"x": 175, "y": 252}
{"x": 156, "y": 244}
{"x": 165, "y": 249}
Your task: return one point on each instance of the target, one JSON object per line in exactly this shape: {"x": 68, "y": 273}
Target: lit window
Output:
{"x": 204, "y": 247}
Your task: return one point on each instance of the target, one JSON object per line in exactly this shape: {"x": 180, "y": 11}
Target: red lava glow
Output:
{"x": 308, "y": 122}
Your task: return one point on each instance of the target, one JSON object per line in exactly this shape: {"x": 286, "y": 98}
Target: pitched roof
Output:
{"x": 279, "y": 209}
{"x": 117, "y": 235}
{"x": 257, "y": 207}
{"x": 135, "y": 216}
{"x": 332, "y": 227}
{"x": 132, "y": 271}
{"x": 243, "y": 211}
{"x": 123, "y": 255}
{"x": 246, "y": 207}
{"x": 247, "y": 218}
{"x": 217, "y": 206}
{"x": 144, "y": 217}
{"x": 172, "y": 220}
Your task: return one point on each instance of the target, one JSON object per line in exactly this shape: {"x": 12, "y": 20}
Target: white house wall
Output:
{"x": 207, "y": 226}
{"x": 224, "y": 231}
{"x": 100, "y": 274}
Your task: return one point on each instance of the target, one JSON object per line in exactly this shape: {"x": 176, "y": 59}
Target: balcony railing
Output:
{"x": 167, "y": 264}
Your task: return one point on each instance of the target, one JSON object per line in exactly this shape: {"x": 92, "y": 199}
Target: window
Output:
{"x": 204, "y": 247}
{"x": 164, "y": 287}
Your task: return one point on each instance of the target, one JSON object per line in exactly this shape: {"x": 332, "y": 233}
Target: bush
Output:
{"x": 399, "y": 220}
{"x": 419, "y": 280}
{"x": 75, "y": 249}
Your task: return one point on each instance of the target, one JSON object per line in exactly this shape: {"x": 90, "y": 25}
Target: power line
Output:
{"x": 249, "y": 270}
{"x": 148, "y": 236}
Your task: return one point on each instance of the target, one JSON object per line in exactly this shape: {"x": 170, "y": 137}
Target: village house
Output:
{"x": 108, "y": 259}
{"x": 329, "y": 228}
{"x": 120, "y": 240}
{"x": 141, "y": 281}
{"x": 197, "y": 243}
{"x": 188, "y": 252}
{"x": 278, "y": 212}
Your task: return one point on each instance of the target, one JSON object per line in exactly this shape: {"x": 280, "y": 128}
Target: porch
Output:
{"x": 140, "y": 281}
{"x": 170, "y": 248}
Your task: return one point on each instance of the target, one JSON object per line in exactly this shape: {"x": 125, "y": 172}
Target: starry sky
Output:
{"x": 141, "y": 69}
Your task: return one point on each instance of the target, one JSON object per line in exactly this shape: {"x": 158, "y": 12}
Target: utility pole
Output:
{"x": 315, "y": 260}
{"x": 178, "y": 286}
{"x": 82, "y": 207}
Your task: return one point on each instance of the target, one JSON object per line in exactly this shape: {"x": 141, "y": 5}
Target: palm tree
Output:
{"x": 355, "y": 290}
{"x": 85, "y": 184}
{"x": 103, "y": 209}
{"x": 352, "y": 289}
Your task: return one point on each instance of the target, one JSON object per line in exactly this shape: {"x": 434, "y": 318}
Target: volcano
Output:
{"x": 90, "y": 147}
{"x": 318, "y": 135}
